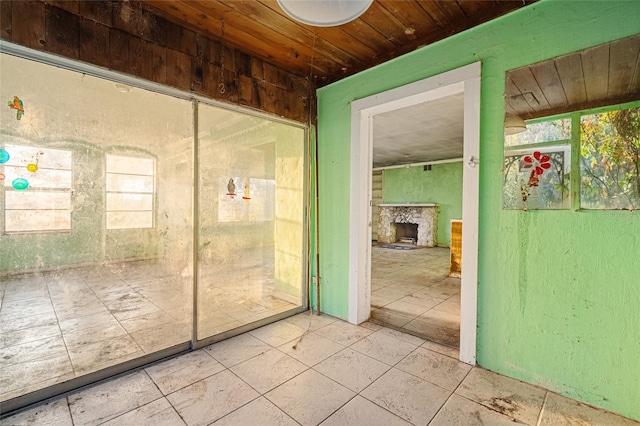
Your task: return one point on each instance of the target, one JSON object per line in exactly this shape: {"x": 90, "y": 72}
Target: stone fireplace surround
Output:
{"x": 425, "y": 215}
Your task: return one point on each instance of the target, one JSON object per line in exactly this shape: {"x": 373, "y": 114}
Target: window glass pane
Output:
{"x": 37, "y": 200}
{"x": 129, "y": 165}
{"x": 129, "y": 183}
{"x": 610, "y": 160}
{"x": 125, "y": 220}
{"x": 36, "y": 220}
{"x": 545, "y": 131}
{"x": 537, "y": 179}
{"x": 45, "y": 158}
{"x": 129, "y": 202}
{"x": 42, "y": 178}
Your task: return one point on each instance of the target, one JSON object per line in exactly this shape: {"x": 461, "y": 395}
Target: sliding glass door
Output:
{"x": 100, "y": 183}
{"x": 250, "y": 220}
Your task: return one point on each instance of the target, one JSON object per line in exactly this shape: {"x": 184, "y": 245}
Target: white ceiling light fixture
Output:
{"x": 324, "y": 13}
{"x": 514, "y": 124}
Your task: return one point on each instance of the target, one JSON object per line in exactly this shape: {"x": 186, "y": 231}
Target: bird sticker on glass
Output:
{"x": 18, "y": 106}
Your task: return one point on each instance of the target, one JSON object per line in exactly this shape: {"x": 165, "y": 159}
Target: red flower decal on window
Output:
{"x": 538, "y": 162}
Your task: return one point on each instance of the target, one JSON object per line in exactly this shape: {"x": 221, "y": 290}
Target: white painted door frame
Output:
{"x": 465, "y": 79}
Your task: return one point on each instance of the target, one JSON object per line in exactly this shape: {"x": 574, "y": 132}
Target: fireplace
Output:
{"x": 419, "y": 221}
{"x": 406, "y": 232}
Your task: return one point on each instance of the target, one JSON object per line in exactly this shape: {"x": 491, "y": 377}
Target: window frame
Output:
{"x": 34, "y": 189}
{"x": 152, "y": 194}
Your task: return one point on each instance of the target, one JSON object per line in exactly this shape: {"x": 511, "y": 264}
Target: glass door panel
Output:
{"x": 95, "y": 224}
{"x": 251, "y": 262}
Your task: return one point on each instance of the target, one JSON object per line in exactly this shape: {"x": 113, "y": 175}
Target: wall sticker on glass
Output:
{"x": 18, "y": 105}
{"x": 536, "y": 179}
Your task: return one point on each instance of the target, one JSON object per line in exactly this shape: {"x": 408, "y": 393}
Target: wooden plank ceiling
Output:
{"x": 604, "y": 75}
{"x": 389, "y": 28}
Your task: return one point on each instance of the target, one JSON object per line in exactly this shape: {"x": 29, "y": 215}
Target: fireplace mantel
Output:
{"x": 425, "y": 215}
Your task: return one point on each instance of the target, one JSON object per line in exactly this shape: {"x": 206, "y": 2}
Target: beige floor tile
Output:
{"x": 81, "y": 311}
{"x": 130, "y": 309}
{"x": 237, "y": 349}
{"x": 156, "y": 413}
{"x": 451, "y": 305}
{"x": 384, "y": 348}
{"x": 503, "y": 394}
{"x": 26, "y": 307}
{"x": 402, "y": 336}
{"x": 311, "y": 348}
{"x": 26, "y": 352}
{"x": 379, "y": 301}
{"x": 21, "y": 322}
{"x": 278, "y": 333}
{"x": 391, "y": 293}
{"x": 101, "y": 319}
{"x": 111, "y": 399}
{"x": 162, "y": 336}
{"x": 310, "y": 397}
{"x": 212, "y": 398}
{"x": 352, "y": 369}
{"x": 310, "y": 321}
{"x": 17, "y": 376}
{"x": 344, "y": 333}
{"x": 87, "y": 357}
{"x": 442, "y": 290}
{"x": 371, "y": 326}
{"x": 259, "y": 411}
{"x": 441, "y": 349}
{"x": 459, "y": 411}
{"x": 360, "y": 411}
{"x": 147, "y": 321}
{"x": 415, "y": 400}
{"x": 423, "y": 300}
{"x": 405, "y": 308}
{"x": 390, "y": 318}
{"x": 268, "y": 370}
{"x": 561, "y": 411}
{"x": 183, "y": 371}
{"x": 435, "y": 368}
{"x": 54, "y": 413}
{"x": 26, "y": 335}
{"x": 93, "y": 335}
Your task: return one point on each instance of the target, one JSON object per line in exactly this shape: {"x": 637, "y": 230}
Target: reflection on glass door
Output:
{"x": 251, "y": 219}
{"x": 95, "y": 225}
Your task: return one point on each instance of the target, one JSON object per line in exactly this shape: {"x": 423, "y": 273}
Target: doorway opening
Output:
{"x": 465, "y": 81}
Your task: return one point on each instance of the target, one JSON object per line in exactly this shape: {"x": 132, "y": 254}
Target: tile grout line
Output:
{"x": 541, "y": 413}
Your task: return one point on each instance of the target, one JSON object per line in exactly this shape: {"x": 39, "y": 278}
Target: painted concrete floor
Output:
{"x": 411, "y": 291}
{"x": 59, "y": 325}
{"x": 310, "y": 370}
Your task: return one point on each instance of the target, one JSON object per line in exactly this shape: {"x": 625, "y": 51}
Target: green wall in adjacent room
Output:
{"x": 441, "y": 185}
{"x": 558, "y": 291}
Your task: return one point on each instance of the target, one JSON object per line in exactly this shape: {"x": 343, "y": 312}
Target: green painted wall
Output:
{"x": 441, "y": 185}
{"x": 558, "y": 290}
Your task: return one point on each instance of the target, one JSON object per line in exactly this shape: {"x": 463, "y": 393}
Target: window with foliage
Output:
{"x": 37, "y": 189}
{"x": 610, "y": 159}
{"x": 537, "y": 166}
{"x": 130, "y": 192}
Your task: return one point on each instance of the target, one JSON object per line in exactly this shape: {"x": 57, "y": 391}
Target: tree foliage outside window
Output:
{"x": 610, "y": 160}
{"x": 544, "y": 131}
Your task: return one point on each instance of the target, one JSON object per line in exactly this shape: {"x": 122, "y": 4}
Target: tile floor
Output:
{"x": 310, "y": 370}
{"x": 62, "y": 324}
{"x": 411, "y": 291}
